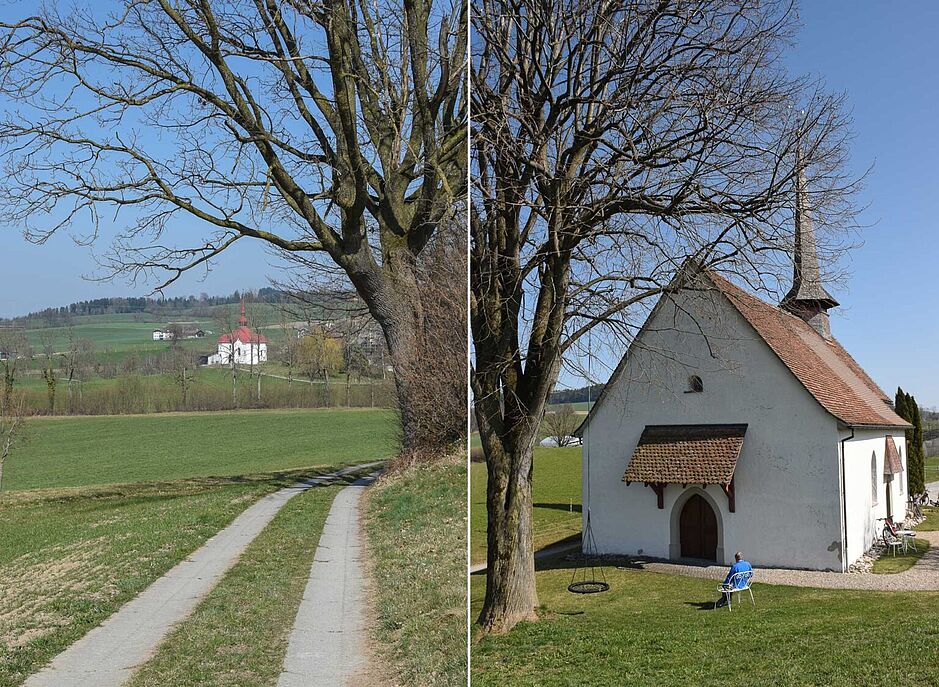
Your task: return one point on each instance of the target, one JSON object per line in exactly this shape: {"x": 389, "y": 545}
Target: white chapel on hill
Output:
{"x": 735, "y": 424}
{"x": 242, "y": 344}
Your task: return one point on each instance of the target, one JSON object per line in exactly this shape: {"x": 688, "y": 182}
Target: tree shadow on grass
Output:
{"x": 566, "y": 507}
{"x": 142, "y": 492}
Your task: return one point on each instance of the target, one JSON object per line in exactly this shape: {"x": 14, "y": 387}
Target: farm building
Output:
{"x": 243, "y": 345}
{"x": 171, "y": 333}
{"x": 735, "y": 424}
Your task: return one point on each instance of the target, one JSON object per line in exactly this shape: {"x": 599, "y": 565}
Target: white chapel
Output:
{"x": 736, "y": 424}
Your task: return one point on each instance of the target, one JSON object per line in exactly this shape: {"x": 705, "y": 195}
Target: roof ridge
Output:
{"x": 856, "y": 402}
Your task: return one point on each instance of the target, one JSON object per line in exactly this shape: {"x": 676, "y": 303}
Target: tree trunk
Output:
{"x": 511, "y": 594}
{"x": 326, "y": 387}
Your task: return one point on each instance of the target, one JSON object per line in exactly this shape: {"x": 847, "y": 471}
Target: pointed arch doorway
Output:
{"x": 698, "y": 529}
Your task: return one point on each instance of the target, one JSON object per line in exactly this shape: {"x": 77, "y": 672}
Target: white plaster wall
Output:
{"x": 787, "y": 478}
{"x": 245, "y": 354}
{"x": 862, "y": 512}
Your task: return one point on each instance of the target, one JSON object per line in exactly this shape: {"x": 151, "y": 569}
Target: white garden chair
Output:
{"x": 895, "y": 537}
{"x": 739, "y": 582}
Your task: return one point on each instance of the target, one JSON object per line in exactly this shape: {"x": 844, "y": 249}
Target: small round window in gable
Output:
{"x": 695, "y": 385}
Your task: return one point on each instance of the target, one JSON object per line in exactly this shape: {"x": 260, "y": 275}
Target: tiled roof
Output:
{"x": 244, "y": 335}
{"x": 892, "y": 465}
{"x": 686, "y": 454}
{"x": 822, "y": 365}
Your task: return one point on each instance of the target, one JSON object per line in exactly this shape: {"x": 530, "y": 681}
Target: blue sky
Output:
{"x": 886, "y": 60}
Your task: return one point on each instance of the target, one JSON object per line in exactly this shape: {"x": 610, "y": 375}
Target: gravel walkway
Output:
{"x": 924, "y": 576}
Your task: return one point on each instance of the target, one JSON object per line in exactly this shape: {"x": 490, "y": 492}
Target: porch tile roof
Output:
{"x": 892, "y": 465}
{"x": 686, "y": 454}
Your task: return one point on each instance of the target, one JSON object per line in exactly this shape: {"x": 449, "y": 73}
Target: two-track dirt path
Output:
{"x": 109, "y": 654}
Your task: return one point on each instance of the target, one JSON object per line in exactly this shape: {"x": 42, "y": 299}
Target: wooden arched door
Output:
{"x": 697, "y": 528}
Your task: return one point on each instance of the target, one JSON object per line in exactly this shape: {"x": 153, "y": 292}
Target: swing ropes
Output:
{"x": 588, "y": 577}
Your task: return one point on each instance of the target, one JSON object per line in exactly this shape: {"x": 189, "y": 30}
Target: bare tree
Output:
{"x": 615, "y": 141}
{"x": 12, "y": 428}
{"x": 256, "y": 321}
{"x": 50, "y": 370}
{"x": 75, "y": 360}
{"x": 183, "y": 367}
{"x": 561, "y": 424}
{"x": 227, "y": 326}
{"x": 85, "y": 363}
{"x": 335, "y": 131}
{"x": 14, "y": 351}
{"x": 289, "y": 344}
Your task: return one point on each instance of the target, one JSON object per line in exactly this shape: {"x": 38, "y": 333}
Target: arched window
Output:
{"x": 874, "y": 478}
{"x": 695, "y": 385}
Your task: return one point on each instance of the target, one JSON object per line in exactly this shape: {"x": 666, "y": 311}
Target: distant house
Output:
{"x": 169, "y": 334}
{"x": 242, "y": 345}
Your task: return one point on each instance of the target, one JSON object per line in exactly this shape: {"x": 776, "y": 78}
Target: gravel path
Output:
{"x": 326, "y": 644}
{"x": 924, "y": 576}
{"x": 109, "y": 654}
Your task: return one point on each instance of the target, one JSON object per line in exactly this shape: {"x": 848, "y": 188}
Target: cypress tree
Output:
{"x": 904, "y": 405}
{"x": 917, "y": 478}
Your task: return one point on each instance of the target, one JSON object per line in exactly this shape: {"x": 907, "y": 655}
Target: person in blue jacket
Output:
{"x": 739, "y": 566}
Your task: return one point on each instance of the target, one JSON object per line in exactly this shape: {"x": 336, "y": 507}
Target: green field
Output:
{"x": 656, "y": 629}
{"x": 129, "y": 332}
{"x": 931, "y": 523}
{"x": 70, "y": 559}
{"x": 932, "y": 469}
{"x": 95, "y": 509}
{"x": 580, "y": 406}
{"x": 65, "y": 451}
{"x": 556, "y": 487}
{"x": 416, "y": 525}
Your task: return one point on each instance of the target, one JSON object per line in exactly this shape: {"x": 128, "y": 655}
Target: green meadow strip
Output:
{"x": 416, "y": 525}
{"x": 70, "y": 558}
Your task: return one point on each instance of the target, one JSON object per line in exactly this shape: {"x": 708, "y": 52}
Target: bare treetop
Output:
{"x": 316, "y": 127}
{"x": 634, "y": 135}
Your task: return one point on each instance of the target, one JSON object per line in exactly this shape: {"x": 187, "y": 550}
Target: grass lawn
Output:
{"x": 932, "y": 469}
{"x": 888, "y": 563}
{"x": 76, "y": 451}
{"x": 70, "y": 558}
{"x": 654, "y": 629}
{"x": 556, "y": 493}
{"x": 238, "y": 635}
{"x": 931, "y": 523}
{"x": 416, "y": 525}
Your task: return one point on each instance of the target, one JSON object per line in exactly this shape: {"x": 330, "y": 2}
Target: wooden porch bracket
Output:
{"x": 659, "y": 490}
{"x": 731, "y": 500}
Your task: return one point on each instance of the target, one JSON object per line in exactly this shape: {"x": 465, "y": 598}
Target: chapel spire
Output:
{"x": 243, "y": 322}
{"x": 807, "y": 298}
